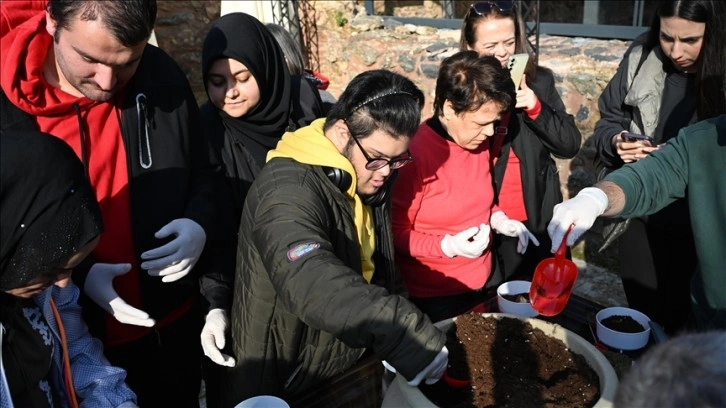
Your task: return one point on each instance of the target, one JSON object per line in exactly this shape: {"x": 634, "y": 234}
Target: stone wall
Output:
{"x": 180, "y": 30}
{"x": 582, "y": 66}
{"x": 349, "y": 42}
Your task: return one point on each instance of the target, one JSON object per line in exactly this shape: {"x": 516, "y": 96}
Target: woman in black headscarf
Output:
{"x": 249, "y": 108}
{"x": 248, "y": 85}
{"x": 49, "y": 222}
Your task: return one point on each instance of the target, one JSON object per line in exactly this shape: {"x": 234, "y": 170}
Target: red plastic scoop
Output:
{"x": 553, "y": 281}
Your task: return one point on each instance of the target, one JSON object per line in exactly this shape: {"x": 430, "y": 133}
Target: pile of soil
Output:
{"x": 511, "y": 364}
{"x": 623, "y": 324}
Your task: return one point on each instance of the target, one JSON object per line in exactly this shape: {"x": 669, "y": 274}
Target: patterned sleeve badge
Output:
{"x": 300, "y": 250}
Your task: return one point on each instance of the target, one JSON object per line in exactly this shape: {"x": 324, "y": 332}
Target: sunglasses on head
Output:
{"x": 483, "y": 8}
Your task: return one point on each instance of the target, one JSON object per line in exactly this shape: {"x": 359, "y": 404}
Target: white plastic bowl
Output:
{"x": 514, "y": 288}
{"x": 621, "y": 340}
{"x": 263, "y": 401}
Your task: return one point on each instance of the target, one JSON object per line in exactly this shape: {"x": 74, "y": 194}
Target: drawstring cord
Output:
{"x": 84, "y": 147}
{"x": 142, "y": 133}
{"x": 67, "y": 376}
{"x": 143, "y": 129}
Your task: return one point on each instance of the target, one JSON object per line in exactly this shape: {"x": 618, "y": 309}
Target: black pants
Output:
{"x": 164, "y": 368}
{"x": 656, "y": 267}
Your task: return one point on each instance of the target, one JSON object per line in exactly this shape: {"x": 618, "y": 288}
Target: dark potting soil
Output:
{"x": 512, "y": 364}
{"x": 623, "y": 324}
{"x": 517, "y": 297}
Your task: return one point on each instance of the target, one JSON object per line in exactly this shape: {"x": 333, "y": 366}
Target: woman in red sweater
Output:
{"x": 443, "y": 201}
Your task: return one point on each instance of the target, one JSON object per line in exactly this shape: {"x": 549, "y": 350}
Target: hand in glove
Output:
{"x": 512, "y": 228}
{"x": 213, "y": 340}
{"x": 470, "y": 243}
{"x": 581, "y": 210}
{"x": 175, "y": 259}
{"x": 433, "y": 372}
{"x": 99, "y": 287}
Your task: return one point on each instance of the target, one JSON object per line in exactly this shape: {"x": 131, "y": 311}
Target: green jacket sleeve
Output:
{"x": 654, "y": 182}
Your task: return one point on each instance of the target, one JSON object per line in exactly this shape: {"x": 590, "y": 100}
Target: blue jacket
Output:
{"x": 97, "y": 383}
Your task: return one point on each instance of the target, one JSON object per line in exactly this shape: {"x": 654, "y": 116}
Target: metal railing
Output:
{"x": 535, "y": 26}
{"x": 298, "y": 17}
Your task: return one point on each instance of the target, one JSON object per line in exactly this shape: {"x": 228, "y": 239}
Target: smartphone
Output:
{"x": 634, "y": 137}
{"x": 516, "y": 65}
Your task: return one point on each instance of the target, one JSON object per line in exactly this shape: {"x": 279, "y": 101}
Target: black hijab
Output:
{"x": 244, "y": 38}
{"x": 48, "y": 210}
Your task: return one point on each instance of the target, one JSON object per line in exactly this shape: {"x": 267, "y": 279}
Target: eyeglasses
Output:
{"x": 379, "y": 163}
{"x": 483, "y": 8}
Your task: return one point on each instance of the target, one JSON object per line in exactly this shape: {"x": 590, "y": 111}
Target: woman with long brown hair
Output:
{"x": 526, "y": 179}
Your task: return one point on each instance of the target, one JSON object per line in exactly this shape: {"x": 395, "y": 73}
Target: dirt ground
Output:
{"x": 599, "y": 285}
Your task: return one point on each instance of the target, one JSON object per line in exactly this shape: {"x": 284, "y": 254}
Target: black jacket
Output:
{"x": 302, "y": 313}
{"x": 664, "y": 102}
{"x": 535, "y": 142}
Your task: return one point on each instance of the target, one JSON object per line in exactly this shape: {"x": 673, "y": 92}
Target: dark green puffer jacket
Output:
{"x": 301, "y": 313}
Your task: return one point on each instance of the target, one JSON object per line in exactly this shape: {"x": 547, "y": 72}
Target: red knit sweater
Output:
{"x": 446, "y": 190}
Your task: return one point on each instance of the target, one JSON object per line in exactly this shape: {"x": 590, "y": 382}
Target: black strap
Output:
{"x": 495, "y": 149}
{"x": 500, "y": 133}
{"x": 628, "y": 111}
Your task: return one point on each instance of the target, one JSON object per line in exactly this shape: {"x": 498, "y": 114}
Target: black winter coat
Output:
{"x": 302, "y": 312}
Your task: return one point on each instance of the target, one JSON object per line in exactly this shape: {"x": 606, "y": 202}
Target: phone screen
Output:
{"x": 634, "y": 137}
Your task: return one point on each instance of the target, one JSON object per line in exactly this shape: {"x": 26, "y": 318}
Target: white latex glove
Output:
{"x": 213, "y": 339}
{"x": 128, "y": 404}
{"x": 176, "y": 258}
{"x": 388, "y": 366}
{"x": 432, "y": 373}
{"x": 99, "y": 287}
{"x": 513, "y": 228}
{"x": 581, "y": 210}
{"x": 470, "y": 243}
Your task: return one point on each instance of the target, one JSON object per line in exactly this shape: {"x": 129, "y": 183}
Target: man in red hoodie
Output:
{"x": 82, "y": 71}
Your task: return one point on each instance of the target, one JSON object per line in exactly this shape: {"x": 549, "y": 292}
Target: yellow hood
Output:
{"x": 309, "y": 145}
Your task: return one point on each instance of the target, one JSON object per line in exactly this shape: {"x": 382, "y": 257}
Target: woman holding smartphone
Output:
{"x": 668, "y": 79}
{"x": 526, "y": 179}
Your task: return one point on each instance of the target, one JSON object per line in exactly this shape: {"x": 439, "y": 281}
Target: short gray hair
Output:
{"x": 686, "y": 371}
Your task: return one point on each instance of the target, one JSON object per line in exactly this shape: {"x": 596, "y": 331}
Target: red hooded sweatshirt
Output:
{"x": 15, "y": 12}
{"x": 24, "y": 49}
